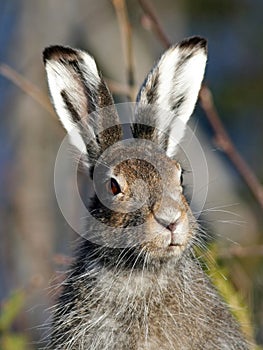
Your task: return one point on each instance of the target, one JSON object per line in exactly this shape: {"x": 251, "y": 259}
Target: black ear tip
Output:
{"x": 57, "y": 52}
{"x": 194, "y": 42}
{"x": 49, "y": 52}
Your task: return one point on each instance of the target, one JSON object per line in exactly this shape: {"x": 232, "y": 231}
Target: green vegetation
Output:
{"x": 10, "y": 310}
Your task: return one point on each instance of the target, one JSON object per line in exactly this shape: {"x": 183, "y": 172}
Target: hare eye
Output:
{"x": 113, "y": 187}
{"x": 181, "y": 177}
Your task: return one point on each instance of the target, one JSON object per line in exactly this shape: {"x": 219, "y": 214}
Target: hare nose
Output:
{"x": 172, "y": 226}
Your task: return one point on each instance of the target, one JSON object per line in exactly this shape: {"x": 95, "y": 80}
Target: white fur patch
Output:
{"x": 184, "y": 84}
{"x": 167, "y": 67}
{"x": 179, "y": 80}
{"x": 63, "y": 77}
{"x": 190, "y": 83}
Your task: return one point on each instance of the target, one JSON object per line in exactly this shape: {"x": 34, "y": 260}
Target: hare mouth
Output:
{"x": 172, "y": 244}
{"x": 175, "y": 248}
{"x": 172, "y": 241}
{"x": 176, "y": 240}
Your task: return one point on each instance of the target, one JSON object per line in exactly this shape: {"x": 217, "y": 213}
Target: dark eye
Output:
{"x": 113, "y": 187}
{"x": 181, "y": 177}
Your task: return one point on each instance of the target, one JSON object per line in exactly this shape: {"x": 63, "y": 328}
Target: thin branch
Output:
{"x": 224, "y": 142}
{"x": 27, "y": 87}
{"x": 126, "y": 36}
{"x": 30, "y": 89}
{"x": 206, "y": 101}
{"x": 150, "y": 21}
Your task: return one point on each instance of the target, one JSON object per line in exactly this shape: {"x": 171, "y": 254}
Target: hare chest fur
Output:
{"x": 172, "y": 308}
{"x": 135, "y": 282}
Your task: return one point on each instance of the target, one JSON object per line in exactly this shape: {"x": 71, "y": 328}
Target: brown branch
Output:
{"x": 224, "y": 142}
{"x": 31, "y": 90}
{"x": 206, "y": 101}
{"x": 126, "y": 36}
{"x": 150, "y": 21}
{"x": 27, "y": 87}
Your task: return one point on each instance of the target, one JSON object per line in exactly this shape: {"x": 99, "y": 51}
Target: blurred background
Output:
{"x": 36, "y": 241}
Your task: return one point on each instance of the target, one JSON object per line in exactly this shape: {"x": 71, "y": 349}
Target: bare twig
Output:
{"x": 150, "y": 21}
{"x": 27, "y": 87}
{"x": 224, "y": 142}
{"x": 31, "y": 90}
{"x": 126, "y": 35}
{"x": 206, "y": 100}
{"x": 37, "y": 95}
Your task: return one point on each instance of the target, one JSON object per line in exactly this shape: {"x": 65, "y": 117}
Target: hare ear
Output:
{"x": 169, "y": 93}
{"x": 80, "y": 96}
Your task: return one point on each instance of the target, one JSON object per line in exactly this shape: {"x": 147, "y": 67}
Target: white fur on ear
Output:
{"x": 172, "y": 87}
{"x": 70, "y": 73}
{"x": 179, "y": 92}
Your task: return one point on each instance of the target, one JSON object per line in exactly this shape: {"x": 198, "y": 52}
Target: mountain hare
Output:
{"x": 135, "y": 282}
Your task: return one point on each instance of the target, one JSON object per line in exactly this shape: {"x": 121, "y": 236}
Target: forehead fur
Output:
{"x": 159, "y": 170}
{"x": 137, "y": 158}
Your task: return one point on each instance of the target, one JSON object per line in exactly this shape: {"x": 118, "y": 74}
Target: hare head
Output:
{"x": 139, "y": 202}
